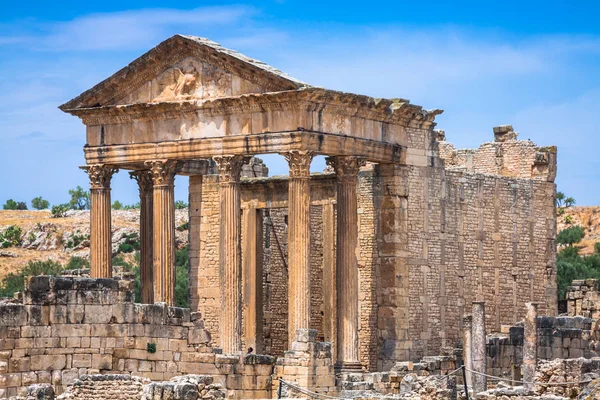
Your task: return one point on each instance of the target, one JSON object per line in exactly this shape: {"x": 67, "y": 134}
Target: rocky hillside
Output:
{"x": 43, "y": 237}
{"x": 589, "y": 218}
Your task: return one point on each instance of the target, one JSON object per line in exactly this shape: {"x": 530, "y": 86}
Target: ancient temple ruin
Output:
{"x": 381, "y": 254}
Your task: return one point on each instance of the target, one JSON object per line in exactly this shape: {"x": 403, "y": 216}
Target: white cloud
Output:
{"x": 125, "y": 30}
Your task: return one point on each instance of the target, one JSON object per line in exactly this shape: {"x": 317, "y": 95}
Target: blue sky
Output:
{"x": 532, "y": 64}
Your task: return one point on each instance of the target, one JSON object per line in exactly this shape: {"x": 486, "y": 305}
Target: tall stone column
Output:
{"x": 163, "y": 229}
{"x": 100, "y": 220}
{"x": 230, "y": 262}
{"x": 479, "y": 348}
{"x": 467, "y": 347}
{"x": 144, "y": 180}
{"x": 530, "y": 345}
{"x": 346, "y": 169}
{"x": 298, "y": 242}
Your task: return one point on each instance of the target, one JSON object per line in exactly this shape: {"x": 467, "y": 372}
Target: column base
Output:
{"x": 348, "y": 367}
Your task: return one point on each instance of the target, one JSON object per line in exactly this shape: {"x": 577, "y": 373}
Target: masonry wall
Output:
{"x": 66, "y": 328}
{"x": 434, "y": 236}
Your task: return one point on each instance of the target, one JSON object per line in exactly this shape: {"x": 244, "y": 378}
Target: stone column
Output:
{"x": 346, "y": 169}
{"x": 298, "y": 242}
{"x": 252, "y": 274}
{"x": 479, "y": 353}
{"x": 144, "y": 180}
{"x": 467, "y": 346}
{"x": 230, "y": 262}
{"x": 163, "y": 230}
{"x": 100, "y": 220}
{"x": 530, "y": 345}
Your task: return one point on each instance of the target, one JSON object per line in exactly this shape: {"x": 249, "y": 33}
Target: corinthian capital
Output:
{"x": 100, "y": 175}
{"x": 143, "y": 178}
{"x": 230, "y": 168}
{"x": 162, "y": 172}
{"x": 299, "y": 162}
{"x": 346, "y": 167}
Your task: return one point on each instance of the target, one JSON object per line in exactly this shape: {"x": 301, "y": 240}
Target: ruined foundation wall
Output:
{"x": 66, "y": 328}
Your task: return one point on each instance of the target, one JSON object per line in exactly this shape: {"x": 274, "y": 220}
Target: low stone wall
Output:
{"x": 69, "y": 327}
{"x": 558, "y": 337}
{"x": 583, "y": 299}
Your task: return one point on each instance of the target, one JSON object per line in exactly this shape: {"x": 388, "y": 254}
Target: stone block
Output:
{"x": 102, "y": 361}
{"x": 38, "y": 315}
{"x": 20, "y": 364}
{"x": 82, "y": 361}
{"x": 13, "y": 315}
{"x": 198, "y": 336}
{"x": 48, "y": 362}
{"x": 10, "y": 380}
{"x": 98, "y": 314}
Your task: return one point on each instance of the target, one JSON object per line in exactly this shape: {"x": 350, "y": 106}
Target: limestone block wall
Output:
{"x": 558, "y": 337}
{"x": 69, "y": 327}
{"x": 583, "y": 298}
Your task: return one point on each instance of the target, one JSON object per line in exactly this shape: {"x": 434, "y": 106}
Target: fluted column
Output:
{"x": 230, "y": 265}
{"x": 298, "y": 242}
{"x": 100, "y": 220}
{"x": 144, "y": 180}
{"x": 163, "y": 229}
{"x": 467, "y": 346}
{"x": 346, "y": 169}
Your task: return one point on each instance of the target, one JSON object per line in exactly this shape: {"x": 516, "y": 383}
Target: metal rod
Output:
{"x": 279, "y": 390}
{"x": 464, "y": 381}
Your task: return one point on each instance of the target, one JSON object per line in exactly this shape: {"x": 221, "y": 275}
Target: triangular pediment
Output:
{"x": 185, "y": 68}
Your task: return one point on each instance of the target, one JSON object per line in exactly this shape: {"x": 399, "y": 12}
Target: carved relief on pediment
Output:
{"x": 189, "y": 79}
{"x": 181, "y": 82}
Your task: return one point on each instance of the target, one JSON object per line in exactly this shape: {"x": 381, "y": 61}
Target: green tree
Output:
{"x": 117, "y": 205}
{"x": 80, "y": 199}
{"x": 181, "y": 277}
{"x": 569, "y": 202}
{"x": 14, "y": 205}
{"x": 39, "y": 203}
{"x": 180, "y": 205}
{"x": 571, "y": 235}
{"x": 560, "y": 197}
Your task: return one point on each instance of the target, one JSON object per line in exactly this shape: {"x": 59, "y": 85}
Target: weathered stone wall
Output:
{"x": 583, "y": 298}
{"x": 69, "y": 327}
{"x": 434, "y": 236}
{"x": 558, "y": 337}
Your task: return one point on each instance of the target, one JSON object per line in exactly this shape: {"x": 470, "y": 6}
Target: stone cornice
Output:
{"x": 311, "y": 99}
{"x": 273, "y": 142}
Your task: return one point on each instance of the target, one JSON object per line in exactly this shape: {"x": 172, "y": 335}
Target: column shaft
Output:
{"x": 229, "y": 259}
{"x": 163, "y": 230}
{"x": 479, "y": 354}
{"x": 467, "y": 347}
{"x": 346, "y": 169}
{"x": 144, "y": 180}
{"x": 100, "y": 220}
{"x": 252, "y": 279}
{"x": 530, "y": 346}
{"x": 298, "y": 242}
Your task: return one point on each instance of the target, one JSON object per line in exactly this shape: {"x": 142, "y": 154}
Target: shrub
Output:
{"x": 181, "y": 277}
{"x": 14, "y": 205}
{"x": 180, "y": 205}
{"x": 14, "y": 282}
{"x": 125, "y": 248}
{"x": 60, "y": 210}
{"x": 151, "y": 347}
{"x": 77, "y": 263}
{"x": 80, "y": 199}
{"x": 131, "y": 243}
{"x": 183, "y": 227}
{"x": 597, "y": 248}
{"x": 39, "y": 203}
{"x": 570, "y": 235}
{"x": 117, "y": 205}
{"x": 132, "y": 206}
{"x": 76, "y": 240}
{"x": 11, "y": 237}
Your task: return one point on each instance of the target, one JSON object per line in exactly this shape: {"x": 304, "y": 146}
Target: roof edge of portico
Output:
{"x": 313, "y": 98}
{"x": 162, "y": 56}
